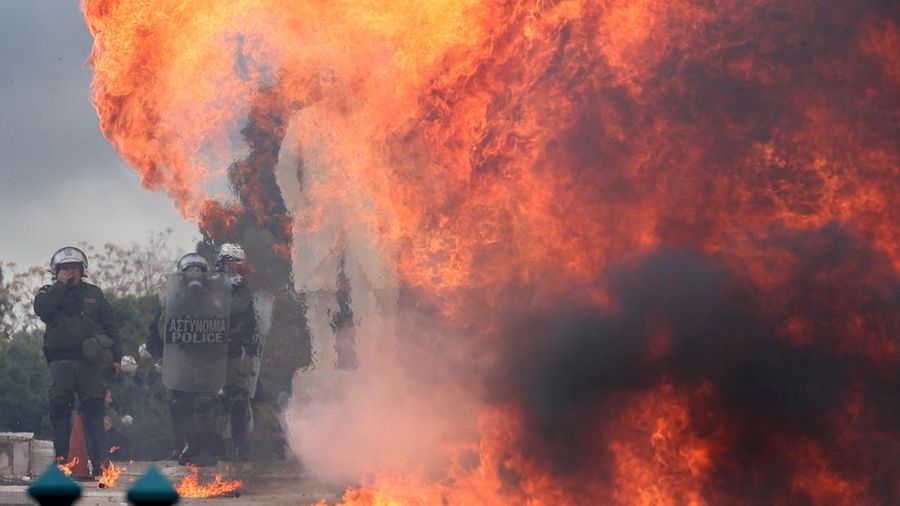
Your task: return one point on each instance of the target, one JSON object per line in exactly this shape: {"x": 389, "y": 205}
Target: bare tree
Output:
{"x": 138, "y": 269}
{"x": 17, "y": 297}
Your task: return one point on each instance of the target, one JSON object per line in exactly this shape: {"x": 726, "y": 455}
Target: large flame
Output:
{"x": 510, "y": 158}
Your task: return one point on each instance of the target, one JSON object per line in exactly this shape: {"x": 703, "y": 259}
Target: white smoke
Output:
{"x": 344, "y": 424}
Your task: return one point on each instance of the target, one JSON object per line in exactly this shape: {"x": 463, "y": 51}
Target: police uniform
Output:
{"x": 193, "y": 413}
{"x": 243, "y": 346}
{"x": 75, "y": 314}
{"x": 182, "y": 419}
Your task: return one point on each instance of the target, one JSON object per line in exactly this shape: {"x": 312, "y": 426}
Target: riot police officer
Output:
{"x": 243, "y": 347}
{"x": 80, "y": 343}
{"x": 180, "y": 403}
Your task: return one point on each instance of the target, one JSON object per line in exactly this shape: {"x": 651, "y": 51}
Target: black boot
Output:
{"x": 176, "y": 453}
{"x": 182, "y": 425}
{"x": 206, "y": 457}
{"x": 187, "y": 454}
{"x": 62, "y": 429}
{"x": 97, "y": 443}
{"x": 237, "y": 405}
{"x": 201, "y": 448}
{"x": 241, "y": 449}
{"x": 184, "y": 431}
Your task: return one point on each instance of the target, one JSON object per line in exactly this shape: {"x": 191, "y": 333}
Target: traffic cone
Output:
{"x": 78, "y": 449}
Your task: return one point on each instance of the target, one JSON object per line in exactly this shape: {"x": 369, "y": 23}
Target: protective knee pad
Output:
{"x": 92, "y": 408}
{"x": 60, "y": 408}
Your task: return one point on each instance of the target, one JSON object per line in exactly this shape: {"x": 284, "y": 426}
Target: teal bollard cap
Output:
{"x": 54, "y": 488}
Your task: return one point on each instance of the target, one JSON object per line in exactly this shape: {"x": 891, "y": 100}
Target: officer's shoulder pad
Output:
{"x": 42, "y": 289}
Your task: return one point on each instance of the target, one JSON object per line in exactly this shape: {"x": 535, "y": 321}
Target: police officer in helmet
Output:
{"x": 81, "y": 342}
{"x": 243, "y": 346}
{"x": 182, "y": 404}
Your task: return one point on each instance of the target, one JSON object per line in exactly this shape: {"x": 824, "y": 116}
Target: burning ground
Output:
{"x": 625, "y": 252}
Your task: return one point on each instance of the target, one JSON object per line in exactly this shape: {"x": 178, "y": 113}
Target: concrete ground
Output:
{"x": 282, "y": 483}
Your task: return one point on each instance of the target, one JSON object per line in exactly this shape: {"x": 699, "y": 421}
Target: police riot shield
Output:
{"x": 195, "y": 332}
{"x": 263, "y": 305}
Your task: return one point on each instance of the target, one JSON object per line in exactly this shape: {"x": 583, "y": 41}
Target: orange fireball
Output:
{"x": 653, "y": 244}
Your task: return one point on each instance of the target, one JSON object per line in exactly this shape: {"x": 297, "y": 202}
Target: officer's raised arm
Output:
{"x": 47, "y": 299}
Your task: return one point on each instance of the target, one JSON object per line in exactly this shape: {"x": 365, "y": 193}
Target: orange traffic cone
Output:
{"x": 78, "y": 450}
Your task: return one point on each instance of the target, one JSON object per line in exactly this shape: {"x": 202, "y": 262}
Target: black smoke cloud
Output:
{"x": 572, "y": 367}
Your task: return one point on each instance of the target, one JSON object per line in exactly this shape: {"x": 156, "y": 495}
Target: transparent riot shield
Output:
{"x": 195, "y": 332}
{"x": 263, "y": 305}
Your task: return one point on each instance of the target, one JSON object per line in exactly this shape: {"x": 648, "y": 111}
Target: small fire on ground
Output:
{"x": 190, "y": 486}
{"x": 110, "y": 475}
{"x": 67, "y": 467}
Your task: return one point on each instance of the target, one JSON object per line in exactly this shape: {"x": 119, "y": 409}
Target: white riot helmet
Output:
{"x": 195, "y": 260}
{"x": 229, "y": 252}
{"x": 68, "y": 255}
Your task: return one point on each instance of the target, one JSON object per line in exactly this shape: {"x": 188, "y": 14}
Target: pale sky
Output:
{"x": 61, "y": 182}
